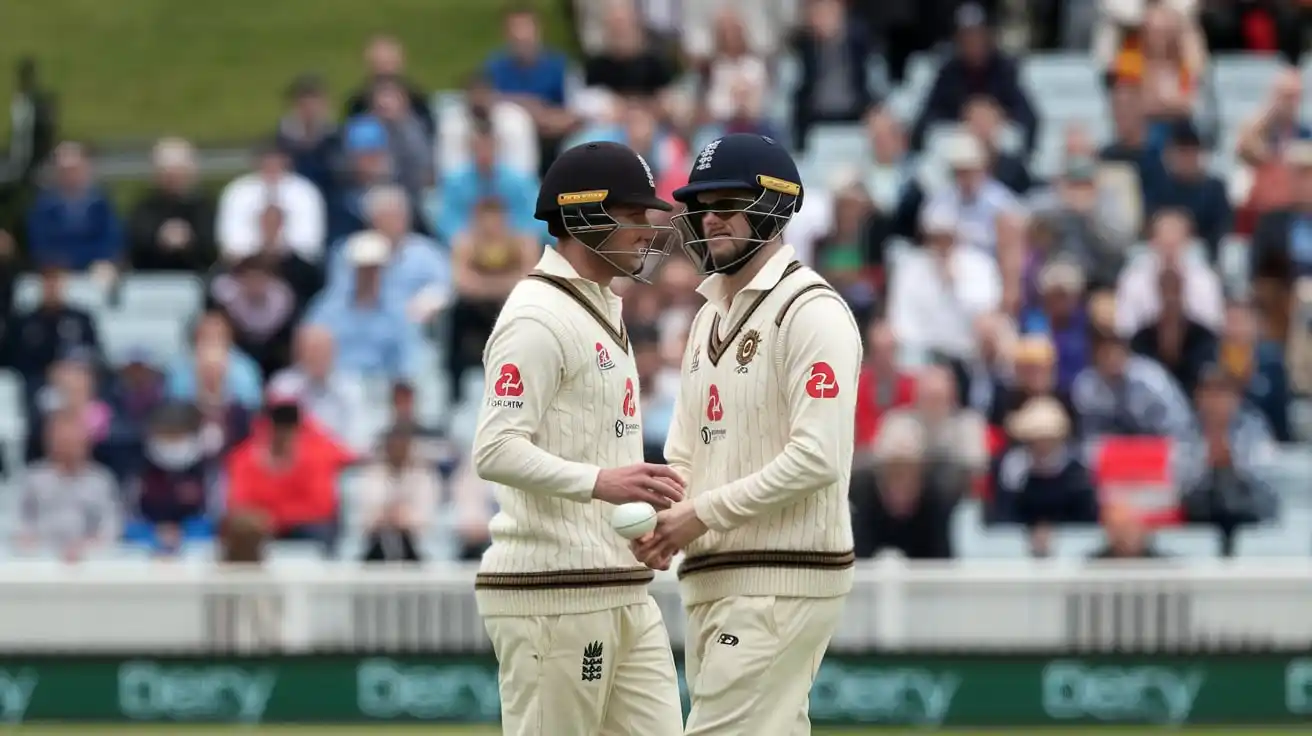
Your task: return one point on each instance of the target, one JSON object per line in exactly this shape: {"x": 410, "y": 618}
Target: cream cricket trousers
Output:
{"x": 751, "y": 661}
{"x": 607, "y": 673}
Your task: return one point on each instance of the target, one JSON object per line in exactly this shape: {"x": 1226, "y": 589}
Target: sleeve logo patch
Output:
{"x": 508, "y": 387}
{"x": 822, "y": 383}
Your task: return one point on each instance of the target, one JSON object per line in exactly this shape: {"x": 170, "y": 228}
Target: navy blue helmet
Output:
{"x": 739, "y": 173}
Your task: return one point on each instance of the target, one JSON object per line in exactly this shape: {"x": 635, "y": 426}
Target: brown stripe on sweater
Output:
{"x": 620, "y": 336}
{"x": 609, "y": 577}
{"x": 767, "y": 558}
{"x": 779, "y": 321}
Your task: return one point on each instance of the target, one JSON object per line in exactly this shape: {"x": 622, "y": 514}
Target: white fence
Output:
{"x": 895, "y": 605}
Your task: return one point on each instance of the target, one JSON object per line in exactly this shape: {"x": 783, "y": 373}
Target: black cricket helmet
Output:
{"x": 587, "y": 179}
{"x": 760, "y": 180}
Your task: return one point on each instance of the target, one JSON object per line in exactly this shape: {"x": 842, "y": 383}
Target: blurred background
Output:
{"x": 250, "y": 254}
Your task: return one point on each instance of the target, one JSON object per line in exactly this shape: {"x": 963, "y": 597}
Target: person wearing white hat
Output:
{"x": 938, "y": 291}
{"x": 374, "y": 335}
{"x": 1042, "y": 482}
{"x": 978, "y": 199}
{"x": 895, "y": 503}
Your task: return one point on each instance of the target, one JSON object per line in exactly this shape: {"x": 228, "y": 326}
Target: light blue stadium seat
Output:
{"x": 1191, "y": 543}
{"x": 162, "y": 336}
{"x": 972, "y": 540}
{"x": 1076, "y": 542}
{"x": 79, "y": 290}
{"x": 179, "y": 295}
{"x": 1290, "y": 536}
{"x": 13, "y": 422}
{"x": 835, "y": 144}
{"x": 1243, "y": 84}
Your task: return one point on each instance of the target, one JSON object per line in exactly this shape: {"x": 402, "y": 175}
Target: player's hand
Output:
{"x": 647, "y": 555}
{"x": 676, "y": 528}
{"x": 657, "y": 485}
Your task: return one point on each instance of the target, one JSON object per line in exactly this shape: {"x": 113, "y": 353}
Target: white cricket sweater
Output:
{"x": 763, "y": 434}
{"x": 561, "y": 403}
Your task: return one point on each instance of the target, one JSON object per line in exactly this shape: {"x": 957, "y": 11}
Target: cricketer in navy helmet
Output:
{"x": 762, "y": 434}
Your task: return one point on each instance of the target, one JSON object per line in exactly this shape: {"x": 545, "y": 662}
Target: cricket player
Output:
{"x": 581, "y": 644}
{"x": 763, "y": 435}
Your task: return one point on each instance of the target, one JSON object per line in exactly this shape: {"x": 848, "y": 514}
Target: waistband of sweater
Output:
{"x": 784, "y": 573}
{"x": 556, "y": 592}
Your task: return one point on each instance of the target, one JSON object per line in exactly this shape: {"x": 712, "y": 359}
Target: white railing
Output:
{"x": 895, "y": 605}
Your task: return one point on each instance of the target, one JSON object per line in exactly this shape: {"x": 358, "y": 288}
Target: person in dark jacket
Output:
{"x": 171, "y": 228}
{"x": 977, "y": 68}
{"x": 1042, "y": 483}
{"x": 892, "y": 506}
{"x": 386, "y": 58}
{"x": 74, "y": 222}
{"x": 1188, "y": 186}
{"x": 833, "y": 85}
{"x": 1180, "y": 344}
{"x": 35, "y": 339}
{"x": 308, "y": 134}
{"x": 173, "y": 488}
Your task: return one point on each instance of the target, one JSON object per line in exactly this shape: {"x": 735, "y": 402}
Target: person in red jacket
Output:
{"x": 881, "y": 385}
{"x": 287, "y": 471}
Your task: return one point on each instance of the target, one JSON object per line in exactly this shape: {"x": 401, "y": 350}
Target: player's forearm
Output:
{"x": 514, "y": 461}
{"x": 799, "y": 471}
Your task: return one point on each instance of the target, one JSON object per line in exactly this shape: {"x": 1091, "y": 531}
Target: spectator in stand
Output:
{"x": 418, "y": 271}
{"x": 1127, "y": 535}
{"x": 239, "y": 375}
{"x": 73, "y": 222}
{"x": 172, "y": 226}
{"x": 431, "y": 443}
{"x": 665, "y": 152}
{"x": 260, "y": 306}
{"x": 369, "y": 164}
{"x": 385, "y": 57}
{"x": 309, "y": 135}
{"x": 1278, "y": 124}
{"x": 69, "y": 505}
{"x": 764, "y": 26}
{"x": 1231, "y": 490}
{"x": 986, "y": 376}
{"x": 888, "y": 170}
{"x": 534, "y": 77}
{"x": 1042, "y": 483}
{"x": 1034, "y": 366}
{"x": 224, "y": 421}
{"x": 983, "y": 118}
{"x": 398, "y": 496}
{"x": 977, "y": 68}
{"x": 1188, "y": 187}
{"x": 305, "y": 278}
{"x": 328, "y": 396}
{"x": 833, "y": 86}
{"x": 734, "y": 66}
{"x": 956, "y": 437}
{"x": 486, "y": 264}
{"x": 1163, "y": 52}
{"x": 486, "y": 176}
{"x": 272, "y": 183}
{"x": 34, "y": 339}
{"x": 628, "y": 64}
{"x": 408, "y": 140}
{"x": 1060, "y": 314}
{"x": 288, "y": 470}
{"x": 1287, "y": 232}
{"x": 1258, "y": 363}
{"x": 1138, "y": 298}
{"x": 844, "y": 255}
{"x": 1089, "y": 223}
{"x": 938, "y": 292}
{"x": 139, "y": 388}
{"x": 1129, "y": 142}
{"x": 1128, "y": 395}
{"x": 1181, "y": 345}
{"x": 896, "y": 504}
{"x": 173, "y": 490}
{"x": 979, "y": 199}
{"x": 511, "y": 126}
{"x": 882, "y": 386}
{"x": 374, "y": 337}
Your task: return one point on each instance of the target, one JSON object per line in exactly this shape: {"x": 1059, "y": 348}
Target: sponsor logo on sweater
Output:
{"x": 508, "y": 387}
{"x": 822, "y": 383}
{"x": 603, "y": 358}
{"x": 629, "y": 409}
{"x": 714, "y": 414}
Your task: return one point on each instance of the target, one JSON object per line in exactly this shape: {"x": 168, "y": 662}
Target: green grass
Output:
{"x": 436, "y": 730}
{"x": 215, "y": 72}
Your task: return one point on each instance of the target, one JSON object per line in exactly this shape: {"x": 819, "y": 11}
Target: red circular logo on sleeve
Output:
{"x": 822, "y": 383}
{"x": 630, "y": 407}
{"x": 508, "y": 382}
{"x": 714, "y": 409}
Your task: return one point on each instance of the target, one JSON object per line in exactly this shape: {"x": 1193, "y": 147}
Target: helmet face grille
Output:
{"x": 767, "y": 215}
{"x": 593, "y": 226}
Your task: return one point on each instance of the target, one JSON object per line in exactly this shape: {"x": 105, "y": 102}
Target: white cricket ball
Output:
{"x": 632, "y": 520}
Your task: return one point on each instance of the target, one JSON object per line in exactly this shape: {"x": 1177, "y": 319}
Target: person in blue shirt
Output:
{"x": 418, "y": 270}
{"x": 533, "y": 76}
{"x": 368, "y": 163}
{"x": 374, "y": 336}
{"x": 74, "y": 223}
{"x": 241, "y": 381}
{"x": 485, "y": 177}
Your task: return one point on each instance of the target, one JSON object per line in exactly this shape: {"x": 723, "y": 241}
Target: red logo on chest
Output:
{"x": 714, "y": 407}
{"x": 630, "y": 407}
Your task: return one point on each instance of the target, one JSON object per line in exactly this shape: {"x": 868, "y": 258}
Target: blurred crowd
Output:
{"x": 1035, "y": 340}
